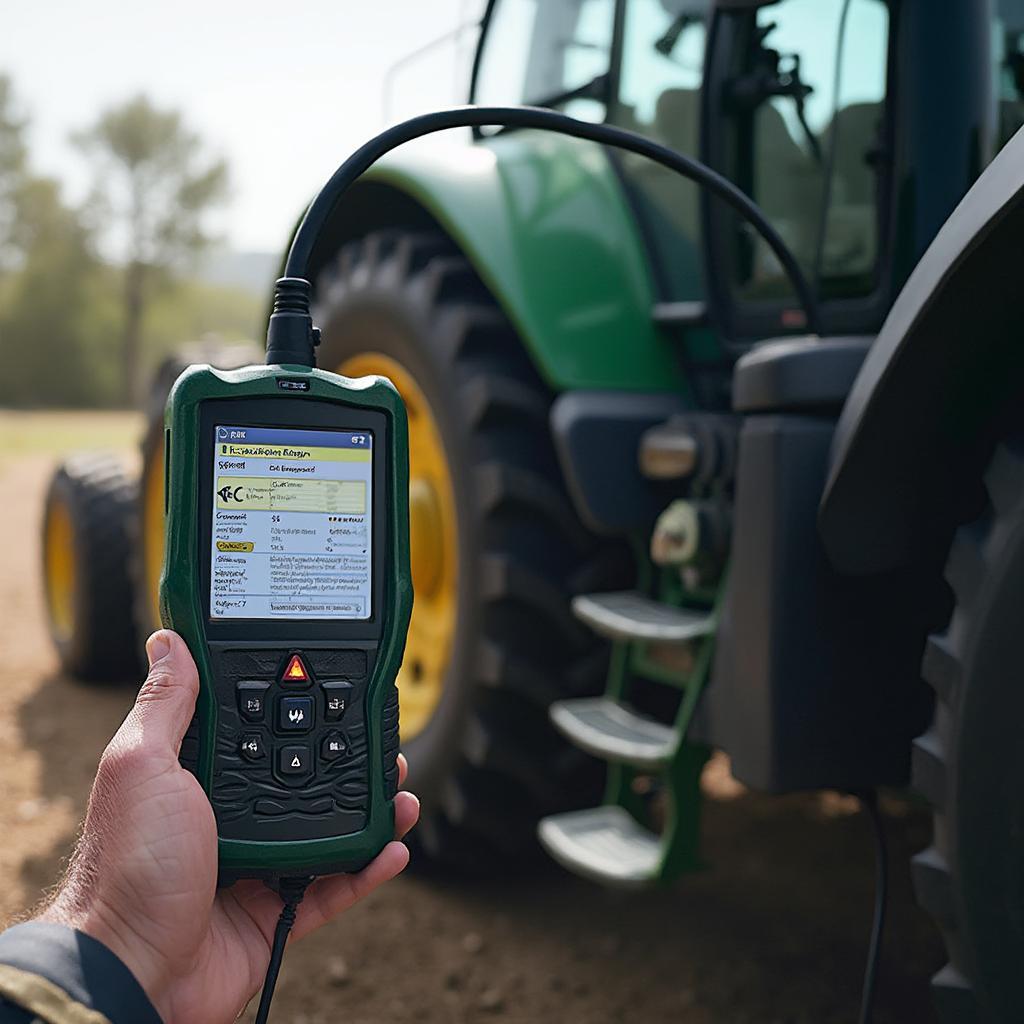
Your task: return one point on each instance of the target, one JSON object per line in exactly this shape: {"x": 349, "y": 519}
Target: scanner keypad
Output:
{"x": 291, "y": 746}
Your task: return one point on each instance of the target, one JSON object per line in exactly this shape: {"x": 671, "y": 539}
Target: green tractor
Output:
{"x": 650, "y": 516}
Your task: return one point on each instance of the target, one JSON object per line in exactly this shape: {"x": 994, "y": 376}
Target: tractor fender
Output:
{"x": 921, "y": 416}
{"x": 545, "y": 224}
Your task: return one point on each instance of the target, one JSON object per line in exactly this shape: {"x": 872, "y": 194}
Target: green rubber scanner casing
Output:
{"x": 317, "y": 399}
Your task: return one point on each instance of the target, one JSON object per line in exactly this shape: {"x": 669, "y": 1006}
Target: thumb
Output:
{"x": 167, "y": 698}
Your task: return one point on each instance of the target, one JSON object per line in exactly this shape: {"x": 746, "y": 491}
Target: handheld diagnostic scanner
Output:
{"x": 287, "y": 573}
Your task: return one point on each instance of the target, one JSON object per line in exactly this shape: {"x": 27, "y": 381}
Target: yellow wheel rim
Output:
{"x": 153, "y": 529}
{"x": 433, "y": 550}
{"x": 61, "y": 569}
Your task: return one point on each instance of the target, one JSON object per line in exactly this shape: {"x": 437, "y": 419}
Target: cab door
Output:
{"x": 797, "y": 112}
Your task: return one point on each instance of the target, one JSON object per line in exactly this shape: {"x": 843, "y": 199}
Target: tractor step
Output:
{"x": 605, "y": 728}
{"x": 604, "y": 844}
{"x": 627, "y": 615}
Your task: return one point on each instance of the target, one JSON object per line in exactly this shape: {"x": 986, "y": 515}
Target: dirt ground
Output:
{"x": 773, "y": 932}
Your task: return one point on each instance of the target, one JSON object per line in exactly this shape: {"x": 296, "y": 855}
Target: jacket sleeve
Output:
{"x": 56, "y": 975}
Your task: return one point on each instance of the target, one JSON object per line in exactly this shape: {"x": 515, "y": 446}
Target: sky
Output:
{"x": 283, "y": 91}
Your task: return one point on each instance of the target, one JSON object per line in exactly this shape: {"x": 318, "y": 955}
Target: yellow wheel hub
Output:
{"x": 153, "y": 529}
{"x": 433, "y": 550}
{"x": 61, "y": 569}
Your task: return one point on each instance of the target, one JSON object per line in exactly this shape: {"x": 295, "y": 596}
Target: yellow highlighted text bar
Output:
{"x": 300, "y": 454}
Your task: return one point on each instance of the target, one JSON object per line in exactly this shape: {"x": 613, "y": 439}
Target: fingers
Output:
{"x": 329, "y": 897}
{"x": 407, "y": 813}
{"x": 403, "y": 769}
{"x": 167, "y": 698}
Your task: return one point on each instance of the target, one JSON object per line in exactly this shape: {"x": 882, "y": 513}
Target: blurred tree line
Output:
{"x": 92, "y": 296}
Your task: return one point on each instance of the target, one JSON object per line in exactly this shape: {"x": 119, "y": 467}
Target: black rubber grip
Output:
{"x": 389, "y": 726}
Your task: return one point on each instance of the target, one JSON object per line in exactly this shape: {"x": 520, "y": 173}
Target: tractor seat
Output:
{"x": 798, "y": 374}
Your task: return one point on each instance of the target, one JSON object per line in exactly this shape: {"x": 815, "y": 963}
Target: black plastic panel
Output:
{"x": 798, "y": 374}
{"x": 597, "y": 437}
{"x": 815, "y": 682}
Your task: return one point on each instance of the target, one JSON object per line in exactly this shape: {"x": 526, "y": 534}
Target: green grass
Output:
{"x": 59, "y": 432}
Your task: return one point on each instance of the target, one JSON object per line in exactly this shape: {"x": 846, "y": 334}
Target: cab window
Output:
{"x": 1008, "y": 68}
{"x": 548, "y": 53}
{"x": 659, "y": 96}
{"x": 808, "y": 111}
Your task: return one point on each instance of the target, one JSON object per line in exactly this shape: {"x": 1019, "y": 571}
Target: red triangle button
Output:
{"x": 295, "y": 671}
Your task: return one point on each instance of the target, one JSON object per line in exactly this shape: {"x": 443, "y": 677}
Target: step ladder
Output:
{"x": 615, "y": 844}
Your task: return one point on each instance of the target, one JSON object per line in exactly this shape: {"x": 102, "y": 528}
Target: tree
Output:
{"x": 55, "y": 309}
{"x": 12, "y": 128}
{"x": 154, "y": 190}
{"x": 59, "y": 312}
{"x": 13, "y": 155}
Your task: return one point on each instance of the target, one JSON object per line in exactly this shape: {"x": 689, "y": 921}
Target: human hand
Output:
{"x": 143, "y": 877}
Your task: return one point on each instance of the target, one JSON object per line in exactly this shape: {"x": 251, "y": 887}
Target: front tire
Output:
{"x": 970, "y": 764}
{"x": 497, "y": 550}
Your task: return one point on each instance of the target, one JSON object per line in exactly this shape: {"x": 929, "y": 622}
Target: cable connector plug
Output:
{"x": 291, "y": 336}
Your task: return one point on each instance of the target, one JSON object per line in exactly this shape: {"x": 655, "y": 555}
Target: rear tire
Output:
{"x": 970, "y": 764}
{"x": 85, "y": 565}
{"x": 487, "y": 763}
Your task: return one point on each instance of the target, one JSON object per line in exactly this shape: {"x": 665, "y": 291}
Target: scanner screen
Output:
{"x": 292, "y": 526}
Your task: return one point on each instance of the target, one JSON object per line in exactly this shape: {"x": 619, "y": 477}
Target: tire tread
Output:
{"x": 943, "y": 668}
{"x": 510, "y": 766}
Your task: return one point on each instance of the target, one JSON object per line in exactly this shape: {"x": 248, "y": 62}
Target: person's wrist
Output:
{"x": 100, "y": 923}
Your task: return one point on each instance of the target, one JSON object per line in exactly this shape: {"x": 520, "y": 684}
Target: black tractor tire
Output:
{"x": 99, "y": 644}
{"x": 970, "y": 764}
{"x": 144, "y": 572}
{"x": 488, "y": 763}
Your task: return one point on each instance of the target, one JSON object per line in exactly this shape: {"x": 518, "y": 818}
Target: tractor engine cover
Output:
{"x": 815, "y": 682}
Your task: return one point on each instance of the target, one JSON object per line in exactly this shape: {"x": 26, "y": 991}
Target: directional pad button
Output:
{"x": 294, "y": 762}
{"x": 337, "y": 695}
{"x": 333, "y": 746}
{"x": 295, "y": 714}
